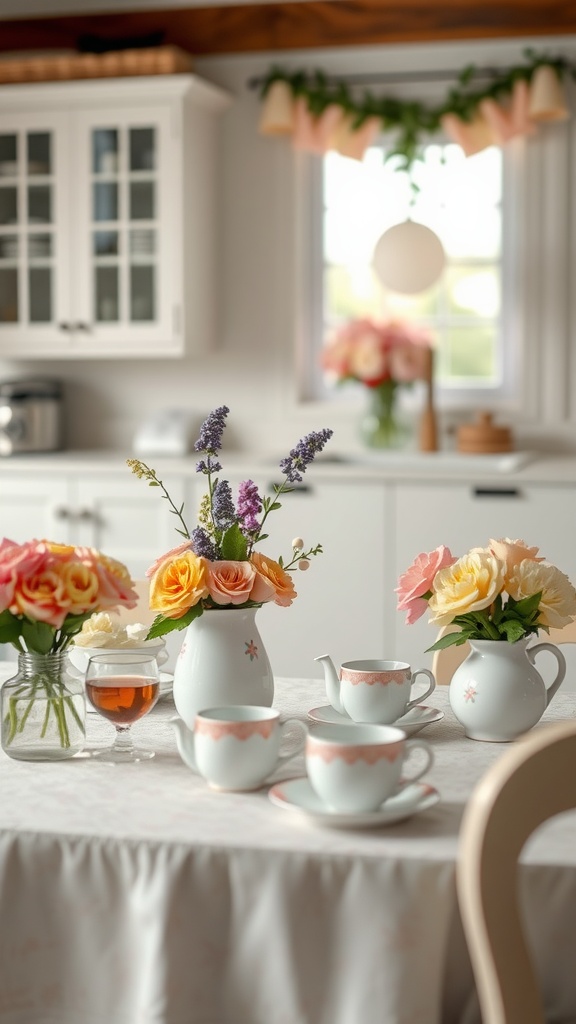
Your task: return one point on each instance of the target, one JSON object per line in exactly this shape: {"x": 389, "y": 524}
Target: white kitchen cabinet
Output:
{"x": 107, "y": 209}
{"x": 466, "y": 515}
{"x": 124, "y": 518}
{"x": 340, "y": 605}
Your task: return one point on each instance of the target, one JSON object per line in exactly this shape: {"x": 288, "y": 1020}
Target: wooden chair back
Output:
{"x": 532, "y": 781}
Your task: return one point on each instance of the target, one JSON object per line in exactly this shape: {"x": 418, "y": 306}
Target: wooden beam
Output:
{"x": 317, "y": 23}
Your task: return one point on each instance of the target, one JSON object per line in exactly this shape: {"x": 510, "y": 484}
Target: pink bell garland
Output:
{"x": 534, "y": 94}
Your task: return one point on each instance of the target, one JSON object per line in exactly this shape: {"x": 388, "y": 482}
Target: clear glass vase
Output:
{"x": 380, "y": 427}
{"x": 43, "y": 709}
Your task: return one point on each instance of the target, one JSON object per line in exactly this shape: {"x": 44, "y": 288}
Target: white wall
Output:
{"x": 254, "y": 368}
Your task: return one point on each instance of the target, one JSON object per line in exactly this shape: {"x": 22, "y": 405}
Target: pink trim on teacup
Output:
{"x": 370, "y": 753}
{"x": 240, "y": 730}
{"x": 354, "y": 677}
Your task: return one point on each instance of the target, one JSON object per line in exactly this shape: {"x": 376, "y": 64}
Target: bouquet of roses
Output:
{"x": 377, "y": 353}
{"x": 217, "y": 566}
{"x": 47, "y": 591}
{"x": 502, "y": 592}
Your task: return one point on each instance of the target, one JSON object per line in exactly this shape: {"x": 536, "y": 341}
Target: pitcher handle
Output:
{"x": 301, "y": 728}
{"x": 422, "y": 696}
{"x": 533, "y": 651}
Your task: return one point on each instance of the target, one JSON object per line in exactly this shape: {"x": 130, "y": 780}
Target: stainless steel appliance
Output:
{"x": 30, "y": 416}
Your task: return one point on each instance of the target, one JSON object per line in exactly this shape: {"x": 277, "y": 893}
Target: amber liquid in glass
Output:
{"x": 124, "y": 699}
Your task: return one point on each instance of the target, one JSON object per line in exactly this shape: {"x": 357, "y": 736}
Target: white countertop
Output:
{"x": 516, "y": 467}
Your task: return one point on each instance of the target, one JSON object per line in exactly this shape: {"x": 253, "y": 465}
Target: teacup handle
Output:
{"x": 533, "y": 651}
{"x": 301, "y": 729}
{"x": 417, "y": 745}
{"x": 422, "y": 696}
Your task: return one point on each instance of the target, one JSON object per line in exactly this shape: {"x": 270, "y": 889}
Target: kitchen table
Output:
{"x": 132, "y": 894}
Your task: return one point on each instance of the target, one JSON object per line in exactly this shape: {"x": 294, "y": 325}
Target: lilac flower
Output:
{"x": 202, "y": 545}
{"x": 248, "y": 506}
{"x": 211, "y": 431}
{"x": 303, "y": 454}
{"x": 223, "y": 511}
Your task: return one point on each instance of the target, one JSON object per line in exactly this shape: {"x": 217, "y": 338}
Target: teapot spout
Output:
{"x": 184, "y": 742}
{"x": 332, "y": 682}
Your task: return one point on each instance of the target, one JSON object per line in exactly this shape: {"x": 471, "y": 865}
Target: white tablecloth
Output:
{"x": 135, "y": 895}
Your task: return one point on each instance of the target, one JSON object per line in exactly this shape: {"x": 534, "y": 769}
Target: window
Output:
{"x": 462, "y": 199}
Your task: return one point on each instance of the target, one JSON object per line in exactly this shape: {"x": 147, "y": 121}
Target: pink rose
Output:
{"x": 230, "y": 582}
{"x": 418, "y": 580}
{"x": 42, "y": 597}
{"x": 272, "y": 582}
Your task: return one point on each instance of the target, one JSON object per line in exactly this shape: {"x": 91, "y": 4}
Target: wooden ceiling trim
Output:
{"x": 318, "y": 23}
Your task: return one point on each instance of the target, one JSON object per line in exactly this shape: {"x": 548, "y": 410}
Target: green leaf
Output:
{"x": 451, "y": 640}
{"x": 162, "y": 625}
{"x": 10, "y": 628}
{"x": 38, "y": 636}
{"x": 234, "y": 545}
{"x": 526, "y": 607}
{"x": 513, "y": 630}
{"x": 275, "y": 505}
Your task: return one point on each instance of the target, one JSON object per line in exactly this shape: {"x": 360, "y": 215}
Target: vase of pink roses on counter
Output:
{"x": 214, "y": 582}
{"x": 383, "y": 356}
{"x": 47, "y": 592}
{"x": 495, "y": 600}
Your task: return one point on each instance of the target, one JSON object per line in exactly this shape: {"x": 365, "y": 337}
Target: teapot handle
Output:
{"x": 533, "y": 651}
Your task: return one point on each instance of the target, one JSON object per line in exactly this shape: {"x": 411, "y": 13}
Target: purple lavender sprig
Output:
{"x": 211, "y": 431}
{"x": 202, "y": 545}
{"x": 223, "y": 511}
{"x": 303, "y": 454}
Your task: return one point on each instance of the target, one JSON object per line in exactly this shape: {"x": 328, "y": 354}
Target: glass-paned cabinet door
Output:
{"x": 125, "y": 220}
{"x": 34, "y": 290}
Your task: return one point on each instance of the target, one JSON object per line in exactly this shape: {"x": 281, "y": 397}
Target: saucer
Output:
{"x": 410, "y": 723}
{"x": 297, "y": 795}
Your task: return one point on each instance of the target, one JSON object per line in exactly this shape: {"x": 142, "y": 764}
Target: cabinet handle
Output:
{"x": 61, "y": 512}
{"x": 496, "y": 492}
{"x": 65, "y": 326}
{"x": 80, "y": 326}
{"x": 85, "y": 515}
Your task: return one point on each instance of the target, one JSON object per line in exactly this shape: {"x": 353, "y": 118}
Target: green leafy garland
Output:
{"x": 410, "y": 119}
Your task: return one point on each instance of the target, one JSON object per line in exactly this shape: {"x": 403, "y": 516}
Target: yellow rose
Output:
{"x": 469, "y": 585}
{"x": 558, "y": 602}
{"x": 81, "y": 586}
{"x": 178, "y": 585}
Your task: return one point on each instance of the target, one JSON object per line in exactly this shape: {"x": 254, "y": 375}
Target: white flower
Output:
{"x": 558, "y": 602}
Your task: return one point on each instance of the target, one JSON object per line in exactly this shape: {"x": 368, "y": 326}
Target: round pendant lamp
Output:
{"x": 408, "y": 258}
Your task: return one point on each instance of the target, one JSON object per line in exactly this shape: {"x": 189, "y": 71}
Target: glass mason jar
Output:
{"x": 43, "y": 709}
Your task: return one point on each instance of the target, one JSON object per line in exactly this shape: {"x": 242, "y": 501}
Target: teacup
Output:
{"x": 236, "y": 748}
{"x": 380, "y": 691}
{"x": 355, "y": 768}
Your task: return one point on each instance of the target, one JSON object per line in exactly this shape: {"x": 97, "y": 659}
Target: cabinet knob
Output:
{"x": 85, "y": 515}
{"x": 81, "y": 326}
{"x": 61, "y": 512}
{"x": 65, "y": 326}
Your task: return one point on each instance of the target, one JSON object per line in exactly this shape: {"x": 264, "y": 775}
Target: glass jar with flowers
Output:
{"x": 47, "y": 591}
{"x": 495, "y": 599}
{"x": 214, "y": 582}
{"x": 383, "y": 356}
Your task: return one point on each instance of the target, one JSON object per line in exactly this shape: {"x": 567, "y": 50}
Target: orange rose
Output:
{"x": 230, "y": 582}
{"x": 178, "y": 585}
{"x": 272, "y": 582}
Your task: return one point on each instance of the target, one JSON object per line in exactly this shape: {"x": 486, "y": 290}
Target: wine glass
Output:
{"x": 123, "y": 687}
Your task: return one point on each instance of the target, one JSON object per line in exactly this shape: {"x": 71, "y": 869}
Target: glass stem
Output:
{"x": 123, "y": 741}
